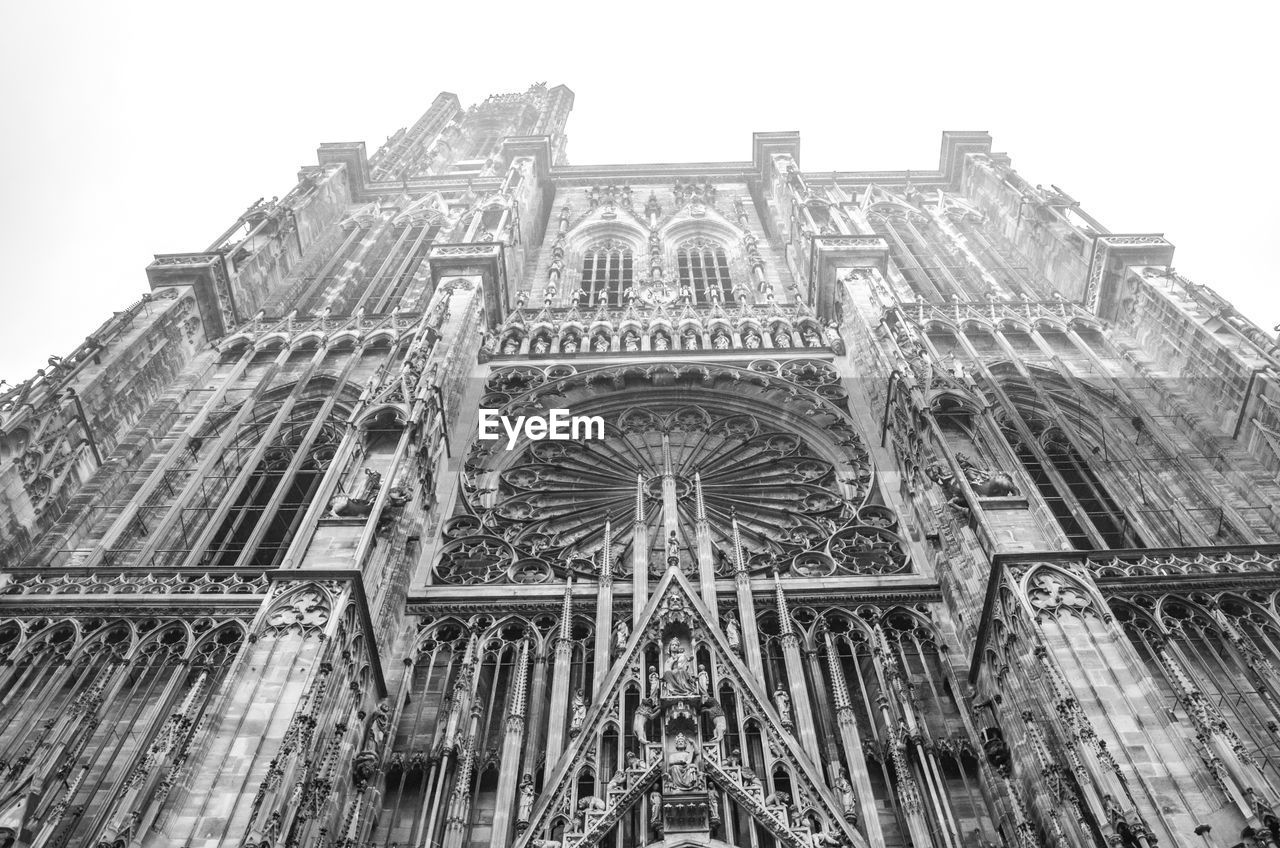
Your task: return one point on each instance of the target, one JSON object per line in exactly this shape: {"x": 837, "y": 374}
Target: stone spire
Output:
{"x": 739, "y": 563}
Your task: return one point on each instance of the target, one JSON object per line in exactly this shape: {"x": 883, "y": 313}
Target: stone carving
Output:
{"x": 683, "y": 774}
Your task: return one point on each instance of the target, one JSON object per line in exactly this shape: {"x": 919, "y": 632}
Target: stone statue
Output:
{"x": 655, "y": 809}
{"x": 618, "y": 782}
{"x": 720, "y": 340}
{"x": 777, "y": 799}
{"x": 653, "y": 682}
{"x": 586, "y": 806}
{"x": 984, "y": 482}
{"x": 783, "y": 702}
{"x": 751, "y": 339}
{"x": 621, "y": 634}
{"x": 673, "y": 549}
{"x": 525, "y": 804}
{"x": 661, "y": 342}
{"x": 682, "y": 769}
{"x": 541, "y": 345}
{"x": 601, "y": 343}
{"x": 579, "y": 713}
{"x": 679, "y": 679}
{"x": 364, "y": 767}
{"x": 732, "y": 634}
{"x": 848, "y": 801}
{"x": 646, "y": 710}
{"x": 704, "y": 680}
{"x": 569, "y": 345}
{"x": 719, "y": 724}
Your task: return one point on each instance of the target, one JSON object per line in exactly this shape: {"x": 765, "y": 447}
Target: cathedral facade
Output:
{"x": 925, "y": 511}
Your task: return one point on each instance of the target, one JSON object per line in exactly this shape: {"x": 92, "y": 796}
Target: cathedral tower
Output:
{"x": 924, "y": 511}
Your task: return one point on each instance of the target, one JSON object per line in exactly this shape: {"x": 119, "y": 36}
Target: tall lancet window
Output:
{"x": 704, "y": 267}
{"x": 269, "y": 507}
{"x": 607, "y": 271}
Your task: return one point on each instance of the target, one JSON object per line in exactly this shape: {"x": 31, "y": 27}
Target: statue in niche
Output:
{"x": 682, "y": 769}
{"x": 511, "y": 346}
{"x": 783, "y": 702}
{"x": 569, "y": 345}
{"x": 720, "y": 340}
{"x": 751, "y": 339}
{"x": 541, "y": 345}
{"x": 811, "y": 337}
{"x": 630, "y": 342}
{"x": 732, "y": 633}
{"x": 848, "y": 801}
{"x": 525, "y": 806}
{"x": 655, "y": 810}
{"x": 680, "y": 679}
{"x": 719, "y": 723}
{"x": 646, "y": 710}
{"x": 579, "y": 713}
{"x": 704, "y": 680}
{"x": 653, "y": 682}
{"x": 781, "y": 338}
{"x": 661, "y": 342}
{"x": 689, "y": 341}
{"x": 601, "y": 343}
{"x": 621, "y": 634}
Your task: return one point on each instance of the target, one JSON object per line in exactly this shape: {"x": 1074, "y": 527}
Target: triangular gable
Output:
{"x": 807, "y": 781}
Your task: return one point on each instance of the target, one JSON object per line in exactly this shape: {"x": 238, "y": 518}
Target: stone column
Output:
{"x": 851, "y": 742}
{"x": 602, "y": 659}
{"x": 639, "y": 557}
{"x": 801, "y": 706}
{"x": 560, "y": 674}
{"x": 706, "y": 557}
{"x": 746, "y": 606}
{"x": 512, "y": 739}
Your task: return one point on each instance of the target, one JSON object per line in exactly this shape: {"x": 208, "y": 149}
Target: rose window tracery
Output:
{"x": 773, "y": 451}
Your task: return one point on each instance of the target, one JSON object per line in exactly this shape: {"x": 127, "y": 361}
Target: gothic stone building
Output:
{"x": 927, "y": 512}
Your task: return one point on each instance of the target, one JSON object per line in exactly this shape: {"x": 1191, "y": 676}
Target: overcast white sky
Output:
{"x": 137, "y": 128}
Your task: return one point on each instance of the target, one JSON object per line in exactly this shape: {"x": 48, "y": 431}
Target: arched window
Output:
{"x": 606, "y": 271}
{"x": 270, "y": 505}
{"x": 704, "y": 267}
{"x": 1071, "y": 488}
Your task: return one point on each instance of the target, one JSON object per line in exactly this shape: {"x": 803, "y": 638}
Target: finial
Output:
{"x": 839, "y": 688}
{"x": 606, "y": 553}
{"x": 700, "y": 506}
{"x": 639, "y": 498}
{"x": 522, "y": 681}
{"x": 784, "y": 618}
{"x": 566, "y": 614}
{"x": 739, "y": 564}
